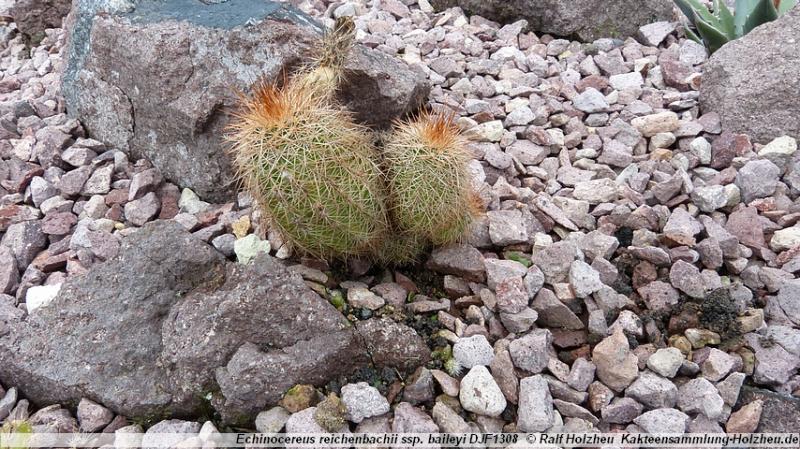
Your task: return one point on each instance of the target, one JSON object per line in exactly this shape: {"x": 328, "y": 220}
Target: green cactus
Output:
{"x": 308, "y": 165}
{"x": 399, "y": 248}
{"x": 311, "y": 169}
{"x": 430, "y": 191}
{"x": 717, "y": 28}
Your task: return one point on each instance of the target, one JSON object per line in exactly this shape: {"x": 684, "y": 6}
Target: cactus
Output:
{"x": 309, "y": 167}
{"x": 430, "y": 191}
{"x": 399, "y": 248}
{"x": 717, "y": 28}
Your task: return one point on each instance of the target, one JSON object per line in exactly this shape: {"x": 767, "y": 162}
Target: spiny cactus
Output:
{"x": 309, "y": 166}
{"x": 326, "y": 69}
{"x": 399, "y": 248}
{"x": 430, "y": 191}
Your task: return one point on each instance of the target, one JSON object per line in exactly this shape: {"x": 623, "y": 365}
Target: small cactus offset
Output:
{"x": 309, "y": 166}
{"x": 430, "y": 191}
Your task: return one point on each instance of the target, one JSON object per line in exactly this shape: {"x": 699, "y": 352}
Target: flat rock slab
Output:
{"x": 159, "y": 79}
{"x": 169, "y": 320}
{"x": 586, "y": 20}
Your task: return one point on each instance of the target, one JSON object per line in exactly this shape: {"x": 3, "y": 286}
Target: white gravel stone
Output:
{"x": 272, "y": 420}
{"x": 480, "y": 393}
{"x": 666, "y": 361}
{"x": 40, "y": 296}
{"x": 363, "y": 401}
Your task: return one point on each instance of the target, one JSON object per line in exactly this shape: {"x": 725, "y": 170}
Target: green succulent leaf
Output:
{"x": 693, "y": 36}
{"x": 742, "y": 10}
{"x": 713, "y": 38}
{"x": 726, "y": 19}
{"x": 763, "y": 12}
{"x": 692, "y": 8}
{"x": 786, "y": 5}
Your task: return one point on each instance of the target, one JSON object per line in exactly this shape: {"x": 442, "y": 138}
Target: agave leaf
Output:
{"x": 713, "y": 37}
{"x": 786, "y": 5}
{"x": 763, "y": 12}
{"x": 742, "y": 10}
{"x": 693, "y": 36}
{"x": 726, "y": 19}
{"x": 692, "y": 8}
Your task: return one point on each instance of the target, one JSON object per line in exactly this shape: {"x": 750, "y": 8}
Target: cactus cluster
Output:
{"x": 715, "y": 28}
{"x": 321, "y": 181}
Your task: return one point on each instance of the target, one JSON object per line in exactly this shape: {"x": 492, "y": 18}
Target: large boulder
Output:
{"x": 753, "y": 82}
{"x": 169, "y": 325}
{"x": 34, "y": 16}
{"x": 585, "y": 20}
{"x": 158, "y": 79}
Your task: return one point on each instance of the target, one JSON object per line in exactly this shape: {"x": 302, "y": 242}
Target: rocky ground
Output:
{"x": 635, "y": 269}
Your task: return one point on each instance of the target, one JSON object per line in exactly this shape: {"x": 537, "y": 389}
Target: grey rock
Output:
{"x": 24, "y": 240}
{"x": 410, "y": 419}
{"x": 361, "y": 297}
{"x": 99, "y": 183}
{"x": 9, "y": 275}
{"x": 717, "y": 365}
{"x": 473, "y": 351}
{"x": 700, "y": 396}
{"x": 507, "y": 227}
{"x": 653, "y": 391}
{"x": 666, "y": 361}
{"x": 531, "y": 352}
{"x": 512, "y": 295}
{"x": 500, "y": 270}
{"x": 653, "y": 34}
{"x": 139, "y": 212}
{"x": 752, "y": 82}
{"x": 757, "y": 179}
{"x": 554, "y": 313}
{"x": 448, "y": 420}
{"x": 363, "y": 401}
{"x": 8, "y": 402}
{"x": 535, "y": 411}
{"x": 93, "y": 416}
{"x": 167, "y": 349}
{"x": 581, "y": 374}
{"x": 177, "y": 429}
{"x": 585, "y": 19}
{"x": 143, "y": 183}
{"x": 224, "y": 244}
{"x": 584, "y": 279}
{"x": 621, "y": 411}
{"x": 419, "y": 387}
{"x": 590, "y": 101}
{"x": 663, "y": 420}
{"x": 111, "y": 77}
{"x": 730, "y": 387}
{"x": 460, "y": 260}
{"x": 555, "y": 261}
